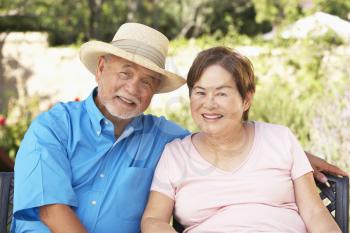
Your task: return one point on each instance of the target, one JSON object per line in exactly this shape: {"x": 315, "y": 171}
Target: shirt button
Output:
{"x": 93, "y": 202}
{"x": 106, "y": 122}
{"x": 102, "y": 175}
{"x": 98, "y": 133}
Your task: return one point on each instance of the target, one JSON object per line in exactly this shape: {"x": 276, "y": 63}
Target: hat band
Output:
{"x": 142, "y": 49}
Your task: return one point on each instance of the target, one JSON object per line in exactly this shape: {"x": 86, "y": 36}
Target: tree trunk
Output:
{"x": 6, "y": 163}
{"x": 95, "y": 13}
{"x": 133, "y": 6}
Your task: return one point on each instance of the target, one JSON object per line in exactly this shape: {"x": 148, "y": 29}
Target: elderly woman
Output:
{"x": 234, "y": 175}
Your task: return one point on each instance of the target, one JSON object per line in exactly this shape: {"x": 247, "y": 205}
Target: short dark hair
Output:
{"x": 233, "y": 62}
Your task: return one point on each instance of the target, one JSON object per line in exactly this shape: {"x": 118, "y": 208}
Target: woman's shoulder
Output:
{"x": 271, "y": 127}
{"x": 272, "y": 131}
{"x": 179, "y": 143}
{"x": 178, "y": 148}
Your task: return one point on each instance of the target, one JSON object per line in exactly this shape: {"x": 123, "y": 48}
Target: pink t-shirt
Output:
{"x": 258, "y": 196}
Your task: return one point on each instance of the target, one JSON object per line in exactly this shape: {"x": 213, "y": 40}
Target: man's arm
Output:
{"x": 320, "y": 165}
{"x": 61, "y": 219}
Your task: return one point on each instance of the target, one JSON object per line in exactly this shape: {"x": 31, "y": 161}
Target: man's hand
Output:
{"x": 320, "y": 165}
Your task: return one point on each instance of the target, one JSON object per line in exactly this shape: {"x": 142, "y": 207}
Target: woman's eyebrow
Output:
{"x": 224, "y": 86}
{"x": 198, "y": 87}
{"x": 217, "y": 88}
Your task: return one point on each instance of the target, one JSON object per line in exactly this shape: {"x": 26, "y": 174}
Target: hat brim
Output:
{"x": 92, "y": 50}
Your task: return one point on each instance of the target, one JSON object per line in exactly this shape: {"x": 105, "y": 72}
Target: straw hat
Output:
{"x": 139, "y": 44}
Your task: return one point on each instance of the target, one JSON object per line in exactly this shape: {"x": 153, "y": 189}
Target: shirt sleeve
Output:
{"x": 42, "y": 169}
{"x": 161, "y": 179}
{"x": 301, "y": 164}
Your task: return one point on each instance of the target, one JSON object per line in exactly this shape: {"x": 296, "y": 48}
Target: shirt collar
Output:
{"x": 94, "y": 113}
{"x": 136, "y": 123}
{"x": 97, "y": 117}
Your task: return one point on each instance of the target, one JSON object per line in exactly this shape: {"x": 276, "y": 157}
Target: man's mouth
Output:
{"x": 126, "y": 100}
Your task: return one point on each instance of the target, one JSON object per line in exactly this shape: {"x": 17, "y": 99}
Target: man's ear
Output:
{"x": 100, "y": 66}
{"x": 248, "y": 101}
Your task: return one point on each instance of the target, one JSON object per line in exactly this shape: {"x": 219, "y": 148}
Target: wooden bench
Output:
{"x": 335, "y": 197}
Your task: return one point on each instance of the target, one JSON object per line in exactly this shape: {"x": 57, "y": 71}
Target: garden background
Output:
{"x": 300, "y": 50}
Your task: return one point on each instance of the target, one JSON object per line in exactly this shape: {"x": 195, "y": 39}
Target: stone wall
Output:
{"x": 29, "y": 67}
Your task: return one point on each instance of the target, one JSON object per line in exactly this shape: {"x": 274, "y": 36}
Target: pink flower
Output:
{"x": 2, "y": 120}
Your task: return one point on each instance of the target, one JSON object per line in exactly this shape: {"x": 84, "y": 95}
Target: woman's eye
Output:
{"x": 222, "y": 94}
{"x": 200, "y": 93}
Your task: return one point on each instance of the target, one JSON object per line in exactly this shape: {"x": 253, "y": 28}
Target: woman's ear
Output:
{"x": 248, "y": 101}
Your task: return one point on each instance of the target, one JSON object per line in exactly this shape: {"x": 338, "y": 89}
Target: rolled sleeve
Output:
{"x": 161, "y": 180}
{"x": 42, "y": 170}
{"x": 300, "y": 163}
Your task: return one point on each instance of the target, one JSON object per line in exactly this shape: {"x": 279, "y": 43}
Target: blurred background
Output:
{"x": 300, "y": 50}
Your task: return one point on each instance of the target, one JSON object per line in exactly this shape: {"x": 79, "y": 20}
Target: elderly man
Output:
{"x": 87, "y": 166}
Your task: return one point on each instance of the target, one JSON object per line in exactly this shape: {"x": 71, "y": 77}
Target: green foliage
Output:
{"x": 77, "y": 21}
{"x": 299, "y": 81}
{"x": 277, "y": 11}
{"x": 178, "y": 112}
{"x": 290, "y": 84}
{"x": 329, "y": 131}
{"x": 302, "y": 84}
{"x": 340, "y": 8}
{"x": 19, "y": 23}
{"x": 15, "y": 122}
{"x": 67, "y": 21}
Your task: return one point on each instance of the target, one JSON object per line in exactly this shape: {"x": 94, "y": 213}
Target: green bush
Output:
{"x": 15, "y": 122}
{"x": 302, "y": 84}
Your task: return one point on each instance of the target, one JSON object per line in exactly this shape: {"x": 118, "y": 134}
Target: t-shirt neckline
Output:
{"x": 251, "y": 152}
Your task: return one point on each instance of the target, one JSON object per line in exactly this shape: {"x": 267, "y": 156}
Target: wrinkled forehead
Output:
{"x": 125, "y": 64}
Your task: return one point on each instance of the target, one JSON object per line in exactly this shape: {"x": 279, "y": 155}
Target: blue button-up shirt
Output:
{"x": 70, "y": 156}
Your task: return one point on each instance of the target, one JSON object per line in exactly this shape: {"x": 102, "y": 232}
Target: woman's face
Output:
{"x": 216, "y": 105}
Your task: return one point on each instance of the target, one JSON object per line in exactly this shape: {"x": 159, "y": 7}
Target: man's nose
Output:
{"x": 132, "y": 86}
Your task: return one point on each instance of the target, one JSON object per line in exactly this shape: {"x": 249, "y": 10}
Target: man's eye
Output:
{"x": 147, "y": 83}
{"x": 123, "y": 75}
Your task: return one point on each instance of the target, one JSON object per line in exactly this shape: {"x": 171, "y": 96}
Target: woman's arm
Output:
{"x": 157, "y": 215}
{"x": 312, "y": 210}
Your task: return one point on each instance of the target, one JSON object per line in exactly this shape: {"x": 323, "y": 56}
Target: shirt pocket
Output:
{"x": 133, "y": 191}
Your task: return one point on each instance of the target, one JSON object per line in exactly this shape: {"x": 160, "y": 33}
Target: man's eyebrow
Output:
{"x": 154, "y": 76}
{"x": 128, "y": 66}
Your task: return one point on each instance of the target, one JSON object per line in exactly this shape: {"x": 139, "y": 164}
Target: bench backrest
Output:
{"x": 336, "y": 198}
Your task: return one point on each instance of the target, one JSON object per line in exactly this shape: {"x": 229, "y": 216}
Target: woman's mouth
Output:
{"x": 211, "y": 116}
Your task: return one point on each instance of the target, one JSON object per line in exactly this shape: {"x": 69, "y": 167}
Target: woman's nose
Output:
{"x": 210, "y": 102}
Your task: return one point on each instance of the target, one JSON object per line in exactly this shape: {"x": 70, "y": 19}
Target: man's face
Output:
{"x": 125, "y": 89}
